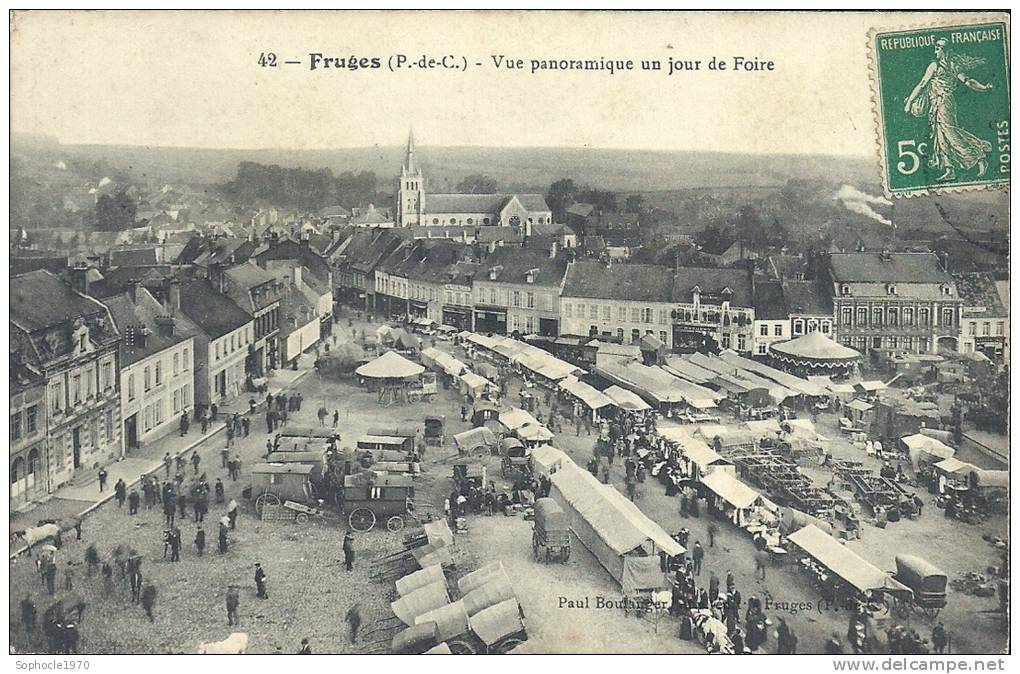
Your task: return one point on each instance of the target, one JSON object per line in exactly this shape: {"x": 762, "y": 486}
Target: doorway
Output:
{"x": 76, "y": 446}
{"x": 131, "y": 431}
{"x": 221, "y": 384}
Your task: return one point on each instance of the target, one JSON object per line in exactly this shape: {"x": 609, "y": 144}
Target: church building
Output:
{"x": 415, "y": 208}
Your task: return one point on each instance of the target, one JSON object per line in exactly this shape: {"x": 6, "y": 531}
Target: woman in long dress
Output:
{"x": 951, "y": 146}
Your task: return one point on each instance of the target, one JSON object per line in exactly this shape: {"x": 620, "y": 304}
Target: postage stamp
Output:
{"x": 942, "y": 107}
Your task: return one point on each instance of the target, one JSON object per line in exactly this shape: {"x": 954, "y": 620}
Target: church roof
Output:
{"x": 481, "y": 203}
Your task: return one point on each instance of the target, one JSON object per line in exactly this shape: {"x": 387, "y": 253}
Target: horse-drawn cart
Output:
{"x": 551, "y": 533}
{"x": 927, "y": 581}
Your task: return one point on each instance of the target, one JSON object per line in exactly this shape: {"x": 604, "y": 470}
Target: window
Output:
{"x": 131, "y": 386}
{"x": 635, "y": 315}
{"x": 147, "y": 377}
{"x": 217, "y": 350}
{"x": 485, "y": 221}
{"x": 662, "y": 336}
{"x": 726, "y": 341}
{"x": 922, "y": 317}
{"x": 176, "y": 364}
{"x": 619, "y": 334}
{"x": 972, "y": 329}
{"x": 15, "y": 426}
{"x": 435, "y": 221}
{"x": 908, "y": 316}
{"x": 57, "y": 396}
{"x": 568, "y": 310}
{"x": 176, "y": 403}
{"x": 607, "y": 312}
{"x": 844, "y": 290}
{"x": 1000, "y": 327}
{"x": 109, "y": 426}
{"x": 876, "y": 317}
{"x": 107, "y": 376}
{"x": 159, "y": 372}
{"x": 761, "y": 349}
{"x": 741, "y": 343}
{"x": 946, "y": 291}
{"x": 798, "y": 326}
{"x": 77, "y": 389}
{"x": 890, "y": 289}
{"x": 89, "y": 378}
{"x": 894, "y": 316}
{"x": 621, "y": 313}
{"x": 531, "y": 300}
{"x": 778, "y": 330}
{"x": 947, "y": 317}
{"x": 764, "y": 330}
{"x": 986, "y": 329}
{"x": 453, "y": 221}
{"x": 471, "y": 221}
{"x": 593, "y": 311}
{"x": 635, "y": 336}
{"x": 846, "y": 316}
{"x": 492, "y": 296}
{"x": 646, "y": 315}
{"x": 663, "y": 316}
{"x": 31, "y": 419}
{"x": 186, "y": 396}
{"x": 826, "y": 327}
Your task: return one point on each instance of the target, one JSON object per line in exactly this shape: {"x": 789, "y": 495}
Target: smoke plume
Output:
{"x": 859, "y": 202}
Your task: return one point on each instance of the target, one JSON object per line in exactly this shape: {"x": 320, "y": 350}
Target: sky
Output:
{"x": 193, "y": 79}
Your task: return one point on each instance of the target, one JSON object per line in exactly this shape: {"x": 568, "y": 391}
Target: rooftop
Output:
{"x": 712, "y": 282}
{"x": 811, "y": 298}
{"x": 887, "y": 268}
{"x": 40, "y": 300}
{"x": 481, "y": 203}
{"x": 769, "y": 303}
{"x": 625, "y": 282}
{"x": 214, "y": 313}
{"x": 514, "y": 264}
{"x": 142, "y": 312}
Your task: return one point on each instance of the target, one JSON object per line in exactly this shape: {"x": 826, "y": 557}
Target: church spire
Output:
{"x": 409, "y": 160}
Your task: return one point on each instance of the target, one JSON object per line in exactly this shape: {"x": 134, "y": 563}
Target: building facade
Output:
{"x": 157, "y": 377}
{"x": 29, "y": 445}
{"x": 771, "y": 316}
{"x": 518, "y": 291}
{"x": 617, "y": 302}
{"x": 713, "y": 309}
{"x": 258, "y": 293}
{"x": 894, "y": 302}
{"x": 70, "y": 341}
{"x": 984, "y": 318}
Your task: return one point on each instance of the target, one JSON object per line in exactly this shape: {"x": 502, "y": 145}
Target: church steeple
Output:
{"x": 409, "y": 167}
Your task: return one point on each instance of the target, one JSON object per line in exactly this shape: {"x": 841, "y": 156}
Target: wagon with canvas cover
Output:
{"x": 927, "y": 581}
{"x": 550, "y": 538}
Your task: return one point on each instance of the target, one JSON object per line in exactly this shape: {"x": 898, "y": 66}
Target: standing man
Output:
{"x": 349, "y": 550}
{"x": 133, "y": 501}
{"x": 246, "y": 426}
{"x": 698, "y": 554}
{"x": 260, "y": 582}
{"x": 939, "y": 638}
{"x": 225, "y": 456}
{"x": 185, "y": 424}
{"x": 120, "y": 492}
{"x": 175, "y": 545}
{"x": 223, "y": 536}
{"x": 195, "y": 460}
{"x": 336, "y": 418}
{"x": 232, "y": 513}
{"x": 713, "y": 529}
{"x": 233, "y": 600}
{"x": 102, "y": 479}
{"x": 168, "y": 463}
{"x": 149, "y": 601}
{"x": 200, "y": 540}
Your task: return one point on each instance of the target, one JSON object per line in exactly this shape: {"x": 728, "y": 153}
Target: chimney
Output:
{"x": 944, "y": 260}
{"x": 166, "y": 325}
{"x": 134, "y": 290}
{"x": 335, "y": 234}
{"x": 174, "y": 295}
{"x": 80, "y": 278}
{"x": 553, "y": 249}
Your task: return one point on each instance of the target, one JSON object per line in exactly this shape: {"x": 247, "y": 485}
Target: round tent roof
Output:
{"x": 390, "y": 365}
{"x": 814, "y": 346}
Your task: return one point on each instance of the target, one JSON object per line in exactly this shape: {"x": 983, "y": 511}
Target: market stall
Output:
{"x": 733, "y": 497}
{"x": 925, "y": 451}
{"x": 625, "y": 400}
{"x": 391, "y": 374}
{"x": 815, "y": 353}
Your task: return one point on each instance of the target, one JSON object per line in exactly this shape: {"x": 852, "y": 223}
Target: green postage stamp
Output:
{"x": 942, "y": 107}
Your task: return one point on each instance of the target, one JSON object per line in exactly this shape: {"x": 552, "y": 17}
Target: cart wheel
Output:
{"x": 508, "y": 645}
{"x": 395, "y": 523}
{"x": 264, "y": 500}
{"x": 459, "y": 647}
{"x": 362, "y": 519}
{"x": 302, "y": 518}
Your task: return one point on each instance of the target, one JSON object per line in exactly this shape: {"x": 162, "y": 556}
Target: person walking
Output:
{"x": 69, "y": 577}
{"x": 175, "y": 545}
{"x": 230, "y": 435}
{"x": 698, "y": 555}
{"x": 102, "y": 479}
{"x": 260, "y": 582}
{"x": 232, "y": 514}
{"x": 353, "y": 619}
{"x": 939, "y": 638}
{"x": 223, "y": 541}
{"x": 185, "y": 423}
{"x": 713, "y": 529}
{"x": 233, "y": 601}
{"x": 336, "y": 418}
{"x": 246, "y": 426}
{"x": 168, "y": 463}
{"x": 349, "y": 550}
{"x": 218, "y": 490}
{"x": 225, "y": 457}
{"x": 761, "y": 560}
{"x": 120, "y": 492}
{"x": 149, "y": 601}
{"x": 182, "y": 504}
{"x": 133, "y": 501}
{"x": 50, "y": 574}
{"x": 195, "y": 460}
{"x": 204, "y": 420}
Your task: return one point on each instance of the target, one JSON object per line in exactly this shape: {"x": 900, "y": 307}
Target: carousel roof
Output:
{"x": 390, "y": 365}
{"x": 815, "y": 346}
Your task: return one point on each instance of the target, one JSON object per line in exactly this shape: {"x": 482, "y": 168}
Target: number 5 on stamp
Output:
{"x": 942, "y": 107}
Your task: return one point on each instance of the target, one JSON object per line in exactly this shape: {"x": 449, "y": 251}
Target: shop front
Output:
{"x": 458, "y": 317}
{"x": 490, "y": 320}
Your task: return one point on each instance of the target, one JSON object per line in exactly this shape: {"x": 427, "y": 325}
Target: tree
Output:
{"x": 633, "y": 203}
{"x": 477, "y": 184}
{"x": 561, "y": 195}
{"x": 604, "y": 202}
{"x": 115, "y": 213}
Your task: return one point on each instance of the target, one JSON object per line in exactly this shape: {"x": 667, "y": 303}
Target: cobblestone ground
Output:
{"x": 310, "y": 592}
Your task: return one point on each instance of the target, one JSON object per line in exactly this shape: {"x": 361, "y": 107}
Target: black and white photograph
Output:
{"x": 581, "y": 332}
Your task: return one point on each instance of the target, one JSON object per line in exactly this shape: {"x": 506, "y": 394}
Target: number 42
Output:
{"x": 267, "y": 60}
{"x": 909, "y": 160}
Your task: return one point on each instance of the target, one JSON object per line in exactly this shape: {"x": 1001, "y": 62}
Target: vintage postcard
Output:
{"x": 509, "y": 332}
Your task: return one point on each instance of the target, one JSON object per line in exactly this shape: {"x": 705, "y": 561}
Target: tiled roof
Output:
{"x": 39, "y": 300}
{"x": 517, "y": 262}
{"x": 132, "y": 258}
{"x": 712, "y": 282}
{"x": 768, "y": 301}
{"x": 810, "y": 298}
{"x": 979, "y": 290}
{"x": 718, "y": 246}
{"x": 499, "y": 234}
{"x": 891, "y": 268}
{"x": 581, "y": 210}
{"x": 551, "y": 229}
{"x": 214, "y": 313}
{"x": 142, "y": 313}
{"x": 628, "y": 282}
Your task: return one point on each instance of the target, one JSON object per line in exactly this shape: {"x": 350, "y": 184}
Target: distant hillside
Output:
{"x": 513, "y": 168}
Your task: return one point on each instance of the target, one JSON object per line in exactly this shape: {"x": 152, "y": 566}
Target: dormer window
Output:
{"x": 844, "y": 290}
{"x": 946, "y": 290}
{"x": 890, "y": 289}
{"x": 531, "y": 274}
